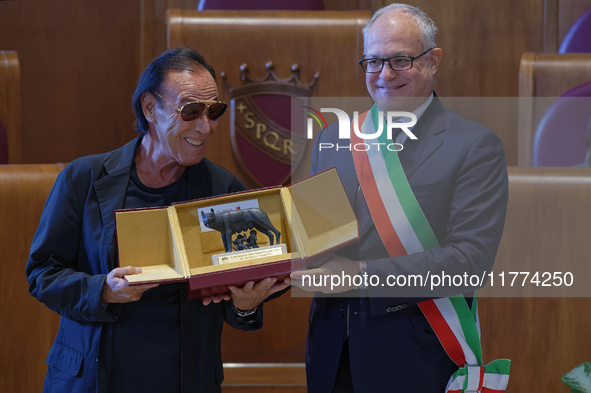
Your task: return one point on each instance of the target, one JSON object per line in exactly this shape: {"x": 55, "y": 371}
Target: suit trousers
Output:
{"x": 344, "y": 381}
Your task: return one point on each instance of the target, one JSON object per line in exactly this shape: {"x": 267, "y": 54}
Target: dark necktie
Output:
{"x": 362, "y": 211}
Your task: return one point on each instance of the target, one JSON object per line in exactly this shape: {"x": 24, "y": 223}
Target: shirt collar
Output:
{"x": 423, "y": 107}
{"x": 418, "y": 112}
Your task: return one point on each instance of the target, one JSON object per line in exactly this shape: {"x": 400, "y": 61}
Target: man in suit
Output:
{"x": 377, "y": 339}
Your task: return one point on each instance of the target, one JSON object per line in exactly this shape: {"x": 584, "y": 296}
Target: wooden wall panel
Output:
{"x": 482, "y": 43}
{"x": 153, "y": 26}
{"x": 78, "y": 71}
{"x": 487, "y": 38}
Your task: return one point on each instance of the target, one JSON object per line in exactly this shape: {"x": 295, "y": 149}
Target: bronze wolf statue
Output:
{"x": 235, "y": 221}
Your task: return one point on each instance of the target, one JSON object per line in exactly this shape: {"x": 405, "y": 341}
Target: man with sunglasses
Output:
{"x": 436, "y": 206}
{"x": 146, "y": 338}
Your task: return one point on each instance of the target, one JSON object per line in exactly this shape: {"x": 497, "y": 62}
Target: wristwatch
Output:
{"x": 363, "y": 274}
{"x": 243, "y": 314}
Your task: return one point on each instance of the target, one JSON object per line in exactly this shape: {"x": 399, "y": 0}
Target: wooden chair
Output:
{"x": 10, "y": 106}
{"x": 544, "y": 330}
{"x": 577, "y": 37}
{"x": 28, "y": 327}
{"x": 327, "y": 42}
{"x": 562, "y": 133}
{"x": 542, "y": 78}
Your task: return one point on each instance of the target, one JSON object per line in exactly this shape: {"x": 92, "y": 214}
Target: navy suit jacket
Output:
{"x": 456, "y": 169}
{"x": 74, "y": 249}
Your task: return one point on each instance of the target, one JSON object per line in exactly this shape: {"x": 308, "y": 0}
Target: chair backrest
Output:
{"x": 560, "y": 138}
{"x": 28, "y": 327}
{"x": 547, "y": 75}
{"x": 578, "y": 37}
{"x": 312, "y": 5}
{"x": 546, "y": 230}
{"x": 10, "y": 108}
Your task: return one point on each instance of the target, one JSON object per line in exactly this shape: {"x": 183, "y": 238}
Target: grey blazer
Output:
{"x": 456, "y": 169}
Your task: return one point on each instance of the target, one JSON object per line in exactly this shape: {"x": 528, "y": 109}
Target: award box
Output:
{"x": 314, "y": 216}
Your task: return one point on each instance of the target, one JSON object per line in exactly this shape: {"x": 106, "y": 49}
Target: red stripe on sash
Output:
{"x": 444, "y": 333}
{"x": 481, "y": 378}
{"x": 372, "y": 195}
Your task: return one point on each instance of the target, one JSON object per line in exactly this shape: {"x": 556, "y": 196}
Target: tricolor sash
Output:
{"x": 404, "y": 229}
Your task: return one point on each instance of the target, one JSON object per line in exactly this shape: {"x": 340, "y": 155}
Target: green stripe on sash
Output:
{"x": 468, "y": 324}
{"x": 409, "y": 203}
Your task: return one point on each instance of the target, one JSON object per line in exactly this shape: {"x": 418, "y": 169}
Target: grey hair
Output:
{"x": 426, "y": 25}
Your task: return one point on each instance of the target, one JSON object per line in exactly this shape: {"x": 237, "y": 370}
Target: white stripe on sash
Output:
{"x": 496, "y": 381}
{"x": 390, "y": 200}
{"x": 450, "y": 315}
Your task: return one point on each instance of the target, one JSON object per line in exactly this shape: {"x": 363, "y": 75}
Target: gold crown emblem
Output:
{"x": 270, "y": 83}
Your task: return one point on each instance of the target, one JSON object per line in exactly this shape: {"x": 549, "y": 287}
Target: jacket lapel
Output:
{"x": 111, "y": 189}
{"x": 428, "y": 130}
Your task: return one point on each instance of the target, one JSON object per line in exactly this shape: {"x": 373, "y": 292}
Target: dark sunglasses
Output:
{"x": 194, "y": 109}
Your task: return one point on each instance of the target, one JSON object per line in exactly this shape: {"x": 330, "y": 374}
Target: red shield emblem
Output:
{"x": 261, "y": 125}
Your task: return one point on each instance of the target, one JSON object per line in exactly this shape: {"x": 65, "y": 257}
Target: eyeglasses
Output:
{"x": 194, "y": 109}
{"x": 397, "y": 63}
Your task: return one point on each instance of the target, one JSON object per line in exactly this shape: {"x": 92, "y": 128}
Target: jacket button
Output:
{"x": 341, "y": 313}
